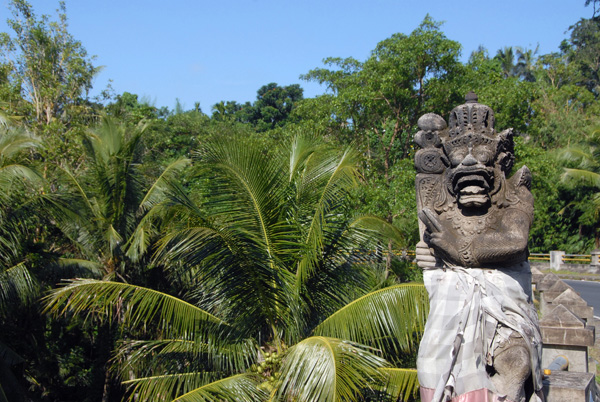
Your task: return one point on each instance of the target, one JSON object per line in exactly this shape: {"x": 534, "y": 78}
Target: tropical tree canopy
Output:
{"x": 271, "y": 264}
{"x": 233, "y": 256}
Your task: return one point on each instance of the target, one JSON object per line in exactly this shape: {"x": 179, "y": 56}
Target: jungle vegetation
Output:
{"x": 243, "y": 253}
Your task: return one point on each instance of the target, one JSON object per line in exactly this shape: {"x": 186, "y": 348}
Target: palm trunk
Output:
{"x": 106, "y": 390}
{"x": 388, "y": 260}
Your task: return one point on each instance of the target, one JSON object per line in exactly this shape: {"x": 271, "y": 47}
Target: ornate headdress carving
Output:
{"x": 471, "y": 118}
{"x": 469, "y": 124}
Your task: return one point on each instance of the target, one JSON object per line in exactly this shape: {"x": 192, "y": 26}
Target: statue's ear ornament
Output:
{"x": 523, "y": 177}
{"x": 506, "y": 146}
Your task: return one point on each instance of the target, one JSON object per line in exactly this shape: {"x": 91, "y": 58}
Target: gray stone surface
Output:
{"x": 563, "y": 333}
{"x": 547, "y": 296}
{"x": 568, "y": 336}
{"x": 565, "y": 386}
{"x": 577, "y": 268}
{"x": 536, "y": 276}
{"x": 576, "y": 355}
{"x": 574, "y": 302}
{"x": 561, "y": 317}
{"x": 547, "y": 282}
{"x": 555, "y": 291}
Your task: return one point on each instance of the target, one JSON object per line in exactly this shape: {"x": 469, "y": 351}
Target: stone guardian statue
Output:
{"x": 482, "y": 340}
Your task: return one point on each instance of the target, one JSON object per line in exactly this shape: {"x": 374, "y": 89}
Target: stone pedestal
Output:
{"x": 563, "y": 333}
{"x": 564, "y": 386}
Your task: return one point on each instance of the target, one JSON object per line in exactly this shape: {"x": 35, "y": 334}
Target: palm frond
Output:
{"x": 140, "y": 305}
{"x": 239, "y": 388}
{"x": 387, "y": 318}
{"x": 301, "y": 147}
{"x": 246, "y": 185}
{"x": 82, "y": 195}
{"x": 11, "y": 172}
{"x": 156, "y": 193}
{"x": 166, "y": 387}
{"x": 143, "y": 235}
{"x": 164, "y": 355}
{"x": 8, "y": 356}
{"x": 574, "y": 153}
{"x": 14, "y": 141}
{"x": 321, "y": 369}
{"x": 401, "y": 384}
{"x": 254, "y": 291}
{"x": 7, "y": 121}
{"x": 114, "y": 152}
{"x": 3, "y": 397}
{"x": 378, "y": 229}
{"x": 581, "y": 176}
{"x": 329, "y": 180}
{"x": 75, "y": 268}
{"x": 151, "y": 209}
{"x": 16, "y": 285}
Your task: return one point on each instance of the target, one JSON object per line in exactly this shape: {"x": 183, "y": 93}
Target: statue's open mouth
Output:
{"x": 472, "y": 187}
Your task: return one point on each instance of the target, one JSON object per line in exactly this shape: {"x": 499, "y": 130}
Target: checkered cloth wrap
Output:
{"x": 472, "y": 311}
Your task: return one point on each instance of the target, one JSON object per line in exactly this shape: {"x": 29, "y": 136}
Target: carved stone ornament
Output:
{"x": 482, "y": 338}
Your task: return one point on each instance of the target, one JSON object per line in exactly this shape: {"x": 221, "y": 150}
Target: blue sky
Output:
{"x": 208, "y": 51}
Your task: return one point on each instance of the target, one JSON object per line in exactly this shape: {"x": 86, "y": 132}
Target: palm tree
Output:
{"x": 525, "y": 63}
{"x": 19, "y": 185}
{"x": 506, "y": 57}
{"x": 274, "y": 285}
{"x": 585, "y": 157}
{"x": 100, "y": 210}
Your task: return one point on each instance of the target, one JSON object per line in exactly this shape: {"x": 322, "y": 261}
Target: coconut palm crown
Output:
{"x": 273, "y": 282}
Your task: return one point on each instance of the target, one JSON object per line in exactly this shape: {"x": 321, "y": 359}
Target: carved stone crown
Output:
{"x": 470, "y": 124}
{"x": 471, "y": 118}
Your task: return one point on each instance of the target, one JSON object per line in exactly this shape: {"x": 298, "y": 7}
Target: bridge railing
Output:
{"x": 565, "y": 258}
{"x": 539, "y": 257}
{"x": 560, "y": 260}
{"x": 556, "y": 259}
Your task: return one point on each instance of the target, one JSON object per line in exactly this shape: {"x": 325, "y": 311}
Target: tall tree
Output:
{"x": 103, "y": 209}
{"x": 53, "y": 68}
{"x": 595, "y": 4}
{"x": 506, "y": 56}
{"x": 525, "y": 63}
{"x": 377, "y": 102}
{"x": 271, "y": 109}
{"x": 274, "y": 104}
{"x": 20, "y": 185}
{"x": 583, "y": 50}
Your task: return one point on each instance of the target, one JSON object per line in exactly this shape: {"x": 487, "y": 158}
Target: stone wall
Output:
{"x": 579, "y": 268}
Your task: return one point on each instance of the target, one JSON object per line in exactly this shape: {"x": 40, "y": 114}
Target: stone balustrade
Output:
{"x": 566, "y": 329}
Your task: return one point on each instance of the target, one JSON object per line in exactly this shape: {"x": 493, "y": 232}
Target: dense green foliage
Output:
{"x": 228, "y": 256}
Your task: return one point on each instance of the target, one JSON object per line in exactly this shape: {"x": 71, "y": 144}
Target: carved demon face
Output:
{"x": 473, "y": 163}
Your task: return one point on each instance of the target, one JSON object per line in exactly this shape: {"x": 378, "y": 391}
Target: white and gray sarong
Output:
{"x": 472, "y": 311}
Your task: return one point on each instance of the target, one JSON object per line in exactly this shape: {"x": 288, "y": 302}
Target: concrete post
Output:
{"x": 596, "y": 258}
{"x": 556, "y": 259}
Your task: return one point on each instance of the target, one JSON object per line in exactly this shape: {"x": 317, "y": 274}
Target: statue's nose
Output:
{"x": 469, "y": 160}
